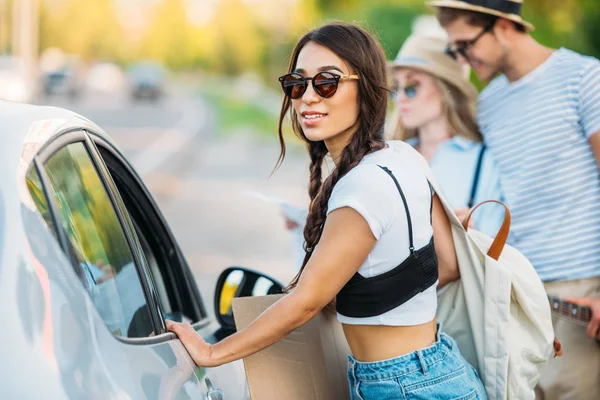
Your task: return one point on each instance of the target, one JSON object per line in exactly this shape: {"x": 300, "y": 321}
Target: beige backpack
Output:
{"x": 498, "y": 312}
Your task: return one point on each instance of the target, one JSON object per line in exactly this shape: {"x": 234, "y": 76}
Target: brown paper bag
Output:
{"x": 309, "y": 364}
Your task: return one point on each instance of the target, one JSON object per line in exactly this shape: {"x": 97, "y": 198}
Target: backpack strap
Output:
{"x": 502, "y": 235}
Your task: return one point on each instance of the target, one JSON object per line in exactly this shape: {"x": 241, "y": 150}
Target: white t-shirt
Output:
{"x": 373, "y": 194}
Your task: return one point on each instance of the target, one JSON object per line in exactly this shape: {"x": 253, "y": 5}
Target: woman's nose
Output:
{"x": 310, "y": 96}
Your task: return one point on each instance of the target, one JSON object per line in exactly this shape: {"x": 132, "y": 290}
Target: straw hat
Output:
{"x": 509, "y": 9}
{"x": 427, "y": 54}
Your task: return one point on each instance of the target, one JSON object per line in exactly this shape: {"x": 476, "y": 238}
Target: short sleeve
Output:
{"x": 589, "y": 99}
{"x": 368, "y": 190}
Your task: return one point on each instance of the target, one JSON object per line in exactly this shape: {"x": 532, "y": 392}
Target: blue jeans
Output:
{"x": 436, "y": 372}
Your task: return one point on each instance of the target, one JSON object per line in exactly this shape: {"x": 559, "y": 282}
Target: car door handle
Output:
{"x": 212, "y": 393}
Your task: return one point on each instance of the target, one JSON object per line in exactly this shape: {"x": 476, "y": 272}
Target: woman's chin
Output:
{"x": 315, "y": 135}
{"x": 409, "y": 124}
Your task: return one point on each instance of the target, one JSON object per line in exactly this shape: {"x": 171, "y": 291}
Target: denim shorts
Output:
{"x": 436, "y": 372}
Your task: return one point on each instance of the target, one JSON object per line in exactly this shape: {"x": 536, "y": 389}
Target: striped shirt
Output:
{"x": 537, "y": 129}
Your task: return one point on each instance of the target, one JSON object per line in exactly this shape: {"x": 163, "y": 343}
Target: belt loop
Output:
{"x": 352, "y": 366}
{"x": 422, "y": 361}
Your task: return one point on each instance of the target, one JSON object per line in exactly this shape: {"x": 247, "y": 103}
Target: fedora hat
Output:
{"x": 427, "y": 54}
{"x": 508, "y": 9}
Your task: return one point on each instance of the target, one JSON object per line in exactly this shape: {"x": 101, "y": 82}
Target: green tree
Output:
{"x": 170, "y": 37}
{"x": 89, "y": 28}
{"x": 240, "y": 43}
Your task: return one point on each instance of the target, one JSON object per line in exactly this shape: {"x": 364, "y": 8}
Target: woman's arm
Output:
{"x": 444, "y": 245}
{"x": 345, "y": 243}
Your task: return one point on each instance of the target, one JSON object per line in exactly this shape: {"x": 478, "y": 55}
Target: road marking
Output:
{"x": 173, "y": 140}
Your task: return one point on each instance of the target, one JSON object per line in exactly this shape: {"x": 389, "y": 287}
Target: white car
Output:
{"x": 89, "y": 271}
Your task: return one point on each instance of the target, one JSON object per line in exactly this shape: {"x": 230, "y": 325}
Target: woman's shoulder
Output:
{"x": 408, "y": 153}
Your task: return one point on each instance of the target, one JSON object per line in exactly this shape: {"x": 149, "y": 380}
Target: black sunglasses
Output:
{"x": 325, "y": 84}
{"x": 453, "y": 51}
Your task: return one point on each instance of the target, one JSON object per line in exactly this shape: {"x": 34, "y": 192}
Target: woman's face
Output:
{"x": 419, "y": 101}
{"x": 334, "y": 118}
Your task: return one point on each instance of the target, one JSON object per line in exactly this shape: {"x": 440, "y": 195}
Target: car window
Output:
{"x": 153, "y": 263}
{"x": 175, "y": 286}
{"x": 105, "y": 263}
{"x": 34, "y": 185}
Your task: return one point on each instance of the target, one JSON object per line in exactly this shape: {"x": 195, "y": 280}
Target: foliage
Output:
{"x": 258, "y": 35}
{"x": 90, "y": 29}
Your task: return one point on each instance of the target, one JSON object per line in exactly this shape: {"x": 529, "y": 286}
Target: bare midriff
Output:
{"x": 370, "y": 343}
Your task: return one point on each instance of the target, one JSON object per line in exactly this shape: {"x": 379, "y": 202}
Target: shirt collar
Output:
{"x": 462, "y": 142}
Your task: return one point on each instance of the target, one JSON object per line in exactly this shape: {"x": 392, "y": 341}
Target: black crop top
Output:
{"x": 368, "y": 297}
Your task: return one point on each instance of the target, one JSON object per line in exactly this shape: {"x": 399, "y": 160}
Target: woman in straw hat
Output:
{"x": 435, "y": 105}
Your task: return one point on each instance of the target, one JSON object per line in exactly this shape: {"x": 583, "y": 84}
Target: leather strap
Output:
{"x": 502, "y": 235}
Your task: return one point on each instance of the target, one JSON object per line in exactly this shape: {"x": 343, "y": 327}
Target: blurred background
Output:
{"x": 188, "y": 89}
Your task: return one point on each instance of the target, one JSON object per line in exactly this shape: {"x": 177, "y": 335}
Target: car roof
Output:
{"x": 26, "y": 128}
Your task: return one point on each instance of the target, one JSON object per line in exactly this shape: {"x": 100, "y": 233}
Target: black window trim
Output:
{"x": 135, "y": 247}
{"x": 190, "y": 286}
{"x": 79, "y": 135}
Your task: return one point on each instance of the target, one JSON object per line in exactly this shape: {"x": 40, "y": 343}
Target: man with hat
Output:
{"x": 540, "y": 118}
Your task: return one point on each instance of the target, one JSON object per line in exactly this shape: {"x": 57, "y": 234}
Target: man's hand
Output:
{"x": 593, "y": 330}
{"x": 462, "y": 214}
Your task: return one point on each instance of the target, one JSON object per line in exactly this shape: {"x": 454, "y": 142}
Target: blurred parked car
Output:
{"x": 61, "y": 73}
{"x": 146, "y": 81}
{"x": 104, "y": 78}
{"x": 64, "y": 81}
{"x": 14, "y": 83}
{"x": 89, "y": 271}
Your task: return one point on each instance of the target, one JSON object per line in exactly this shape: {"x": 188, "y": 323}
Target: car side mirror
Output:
{"x": 240, "y": 282}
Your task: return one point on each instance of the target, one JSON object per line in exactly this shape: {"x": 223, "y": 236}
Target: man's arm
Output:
{"x": 589, "y": 107}
{"x": 595, "y": 144}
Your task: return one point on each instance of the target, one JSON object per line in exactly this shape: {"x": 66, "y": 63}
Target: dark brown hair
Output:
{"x": 365, "y": 56}
{"x": 448, "y": 15}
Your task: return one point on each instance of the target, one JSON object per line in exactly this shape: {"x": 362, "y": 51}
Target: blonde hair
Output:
{"x": 458, "y": 110}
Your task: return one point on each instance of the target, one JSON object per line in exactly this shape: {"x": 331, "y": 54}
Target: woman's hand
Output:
{"x": 462, "y": 214}
{"x": 199, "y": 350}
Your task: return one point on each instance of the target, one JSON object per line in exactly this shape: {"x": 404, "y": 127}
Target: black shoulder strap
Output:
{"x": 431, "y": 204}
{"x": 475, "y": 184}
{"x": 410, "y": 232}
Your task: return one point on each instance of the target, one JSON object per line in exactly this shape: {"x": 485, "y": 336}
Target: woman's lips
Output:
{"x": 310, "y": 120}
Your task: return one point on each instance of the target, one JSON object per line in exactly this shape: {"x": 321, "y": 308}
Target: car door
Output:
{"x": 107, "y": 257}
{"x": 177, "y": 292}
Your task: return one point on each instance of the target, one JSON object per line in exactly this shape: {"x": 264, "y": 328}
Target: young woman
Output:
{"x": 369, "y": 235}
{"x": 435, "y": 114}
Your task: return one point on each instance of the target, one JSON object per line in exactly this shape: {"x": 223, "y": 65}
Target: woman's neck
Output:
{"x": 336, "y": 144}
{"x": 431, "y": 136}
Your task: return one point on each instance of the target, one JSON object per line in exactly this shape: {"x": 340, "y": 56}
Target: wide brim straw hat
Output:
{"x": 427, "y": 54}
{"x": 508, "y": 9}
